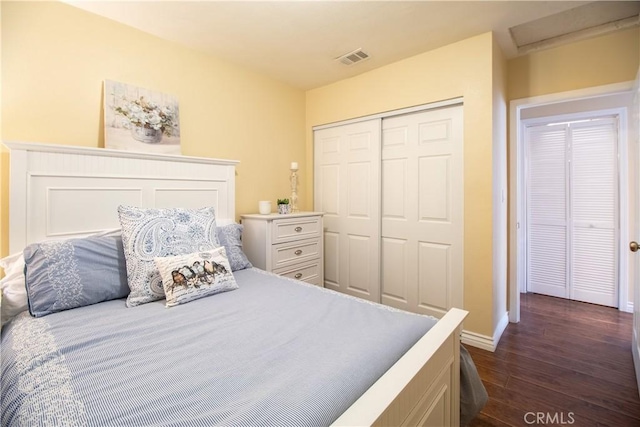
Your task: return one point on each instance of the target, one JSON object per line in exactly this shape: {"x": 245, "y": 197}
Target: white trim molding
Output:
{"x": 391, "y": 113}
{"x": 516, "y": 198}
{"x": 636, "y": 355}
{"x": 486, "y": 342}
{"x": 107, "y": 152}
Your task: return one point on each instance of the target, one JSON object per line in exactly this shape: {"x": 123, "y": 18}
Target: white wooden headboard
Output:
{"x": 61, "y": 191}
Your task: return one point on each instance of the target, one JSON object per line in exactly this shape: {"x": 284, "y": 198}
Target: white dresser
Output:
{"x": 288, "y": 245}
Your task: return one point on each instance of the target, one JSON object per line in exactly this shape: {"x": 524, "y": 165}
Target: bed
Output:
{"x": 227, "y": 359}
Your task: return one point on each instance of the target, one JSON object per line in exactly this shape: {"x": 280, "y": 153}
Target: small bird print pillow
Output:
{"x": 196, "y": 275}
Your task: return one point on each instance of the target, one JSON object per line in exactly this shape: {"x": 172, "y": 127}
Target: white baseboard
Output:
{"x": 629, "y": 307}
{"x": 486, "y": 342}
{"x": 636, "y": 355}
{"x": 502, "y": 325}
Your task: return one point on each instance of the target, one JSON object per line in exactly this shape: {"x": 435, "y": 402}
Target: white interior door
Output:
{"x": 635, "y": 212}
{"x": 572, "y": 208}
{"x": 422, "y": 211}
{"x": 347, "y": 182}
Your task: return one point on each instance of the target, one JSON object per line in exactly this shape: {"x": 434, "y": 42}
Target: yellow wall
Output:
{"x": 593, "y": 62}
{"x": 460, "y": 69}
{"x": 4, "y": 167}
{"x": 55, "y": 58}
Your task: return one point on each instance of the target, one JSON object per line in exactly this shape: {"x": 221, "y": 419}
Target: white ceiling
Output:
{"x": 296, "y": 42}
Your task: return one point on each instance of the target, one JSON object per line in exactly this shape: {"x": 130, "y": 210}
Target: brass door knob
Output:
{"x": 633, "y": 246}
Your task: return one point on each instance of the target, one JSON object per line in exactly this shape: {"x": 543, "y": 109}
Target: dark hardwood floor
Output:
{"x": 569, "y": 361}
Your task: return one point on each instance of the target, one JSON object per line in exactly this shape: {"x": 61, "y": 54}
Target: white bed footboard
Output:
{"x": 422, "y": 388}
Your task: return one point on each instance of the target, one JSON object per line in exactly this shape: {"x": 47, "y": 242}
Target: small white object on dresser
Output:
{"x": 289, "y": 245}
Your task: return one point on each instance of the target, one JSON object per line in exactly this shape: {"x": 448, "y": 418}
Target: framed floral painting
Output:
{"x": 138, "y": 119}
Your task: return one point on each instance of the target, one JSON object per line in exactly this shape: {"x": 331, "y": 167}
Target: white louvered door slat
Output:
{"x": 547, "y": 207}
{"x": 593, "y": 212}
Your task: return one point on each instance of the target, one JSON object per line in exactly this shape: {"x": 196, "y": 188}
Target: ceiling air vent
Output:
{"x": 352, "y": 57}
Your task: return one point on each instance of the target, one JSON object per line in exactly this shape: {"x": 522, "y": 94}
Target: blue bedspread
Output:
{"x": 274, "y": 352}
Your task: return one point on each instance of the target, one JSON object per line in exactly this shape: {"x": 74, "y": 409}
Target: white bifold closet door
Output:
{"x": 422, "y": 211}
{"x": 572, "y": 210}
{"x": 347, "y": 176}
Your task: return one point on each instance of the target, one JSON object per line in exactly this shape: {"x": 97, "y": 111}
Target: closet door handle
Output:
{"x": 298, "y": 275}
{"x": 633, "y": 246}
{"x": 298, "y": 252}
{"x": 298, "y": 229}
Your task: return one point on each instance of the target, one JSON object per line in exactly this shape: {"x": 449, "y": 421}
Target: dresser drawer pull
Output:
{"x": 298, "y": 252}
{"x": 298, "y": 229}
{"x": 298, "y": 275}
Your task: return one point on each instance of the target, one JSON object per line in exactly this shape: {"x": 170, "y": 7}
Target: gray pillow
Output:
{"x": 230, "y": 236}
{"x": 60, "y": 275}
{"x": 152, "y": 233}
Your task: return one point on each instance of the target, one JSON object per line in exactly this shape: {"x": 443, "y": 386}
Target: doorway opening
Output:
{"x": 572, "y": 216}
{"x": 578, "y": 109}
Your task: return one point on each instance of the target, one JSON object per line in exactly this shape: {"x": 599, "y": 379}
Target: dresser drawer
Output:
{"x": 309, "y": 273}
{"x": 286, "y": 254}
{"x": 286, "y": 230}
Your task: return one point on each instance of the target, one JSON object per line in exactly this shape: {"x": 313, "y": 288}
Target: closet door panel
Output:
{"x": 360, "y": 269}
{"x": 394, "y": 272}
{"x": 328, "y": 149}
{"x": 434, "y": 279}
{"x": 358, "y": 194}
{"x": 422, "y": 194}
{"x": 399, "y": 278}
{"x": 361, "y": 240}
{"x": 594, "y": 247}
{"x": 394, "y": 204}
{"x": 347, "y": 189}
{"x": 547, "y": 206}
{"x": 329, "y": 188}
{"x": 434, "y": 204}
{"x": 594, "y": 213}
{"x": 436, "y": 130}
{"x": 331, "y": 259}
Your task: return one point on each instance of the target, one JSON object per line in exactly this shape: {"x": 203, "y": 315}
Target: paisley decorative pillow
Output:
{"x": 230, "y": 236}
{"x": 152, "y": 233}
{"x": 197, "y": 275}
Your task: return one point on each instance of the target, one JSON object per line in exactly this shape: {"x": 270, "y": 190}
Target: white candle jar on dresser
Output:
{"x": 288, "y": 245}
